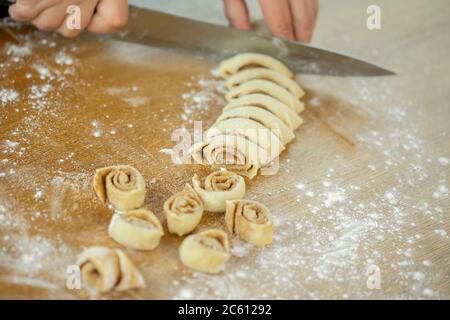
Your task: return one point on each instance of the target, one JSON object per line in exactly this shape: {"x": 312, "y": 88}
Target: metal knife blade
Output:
{"x": 152, "y": 27}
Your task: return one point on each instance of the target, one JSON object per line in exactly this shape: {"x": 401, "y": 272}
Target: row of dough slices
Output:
{"x": 259, "y": 119}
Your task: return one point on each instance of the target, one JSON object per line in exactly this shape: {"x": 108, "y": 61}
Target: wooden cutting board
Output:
{"x": 361, "y": 194}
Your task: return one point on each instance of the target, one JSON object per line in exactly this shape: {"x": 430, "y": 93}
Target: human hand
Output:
{"x": 288, "y": 19}
{"x": 99, "y": 16}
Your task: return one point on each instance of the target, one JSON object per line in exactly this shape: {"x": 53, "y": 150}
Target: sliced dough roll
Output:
{"x": 136, "y": 229}
{"x": 122, "y": 186}
{"x": 286, "y": 114}
{"x": 104, "y": 269}
{"x": 265, "y": 74}
{"x": 206, "y": 251}
{"x": 250, "y": 220}
{"x": 235, "y": 153}
{"x": 184, "y": 211}
{"x": 218, "y": 187}
{"x": 269, "y": 88}
{"x": 252, "y": 130}
{"x": 245, "y": 60}
{"x": 264, "y": 117}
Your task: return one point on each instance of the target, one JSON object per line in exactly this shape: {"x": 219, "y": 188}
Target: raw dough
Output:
{"x": 286, "y": 114}
{"x": 269, "y": 88}
{"x": 264, "y": 117}
{"x": 206, "y": 251}
{"x": 184, "y": 211}
{"x": 265, "y": 74}
{"x": 252, "y": 130}
{"x": 250, "y": 220}
{"x": 234, "y": 153}
{"x": 218, "y": 187}
{"x": 136, "y": 229}
{"x": 245, "y": 60}
{"x": 122, "y": 186}
{"x": 104, "y": 269}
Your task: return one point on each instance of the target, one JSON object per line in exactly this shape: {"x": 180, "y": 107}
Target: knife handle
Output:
{"x": 4, "y": 4}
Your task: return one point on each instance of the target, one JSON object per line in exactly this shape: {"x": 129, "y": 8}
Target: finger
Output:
{"x": 304, "y": 13}
{"x": 87, "y": 8}
{"x": 278, "y": 18}
{"x": 237, "y": 14}
{"x": 26, "y": 10}
{"x": 110, "y": 16}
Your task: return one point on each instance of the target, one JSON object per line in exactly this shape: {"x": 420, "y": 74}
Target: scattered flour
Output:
{"x": 8, "y": 95}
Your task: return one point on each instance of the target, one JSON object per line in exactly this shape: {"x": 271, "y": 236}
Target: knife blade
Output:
{"x": 152, "y": 27}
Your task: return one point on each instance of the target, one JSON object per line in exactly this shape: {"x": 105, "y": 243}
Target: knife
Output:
{"x": 152, "y": 27}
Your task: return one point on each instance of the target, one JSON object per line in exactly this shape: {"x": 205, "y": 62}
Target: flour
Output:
{"x": 443, "y": 161}
{"x": 8, "y": 96}
{"x": 203, "y": 93}
{"x": 63, "y": 59}
{"x": 18, "y": 51}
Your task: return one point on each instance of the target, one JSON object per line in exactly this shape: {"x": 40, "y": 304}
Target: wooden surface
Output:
{"x": 364, "y": 185}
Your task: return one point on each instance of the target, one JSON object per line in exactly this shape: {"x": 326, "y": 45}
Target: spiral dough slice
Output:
{"x": 282, "y": 111}
{"x": 246, "y": 60}
{"x": 263, "y": 117}
{"x": 104, "y": 269}
{"x": 218, "y": 187}
{"x": 269, "y": 88}
{"x": 250, "y": 129}
{"x": 206, "y": 251}
{"x": 136, "y": 229}
{"x": 265, "y": 74}
{"x": 184, "y": 211}
{"x": 250, "y": 220}
{"x": 234, "y": 153}
{"x": 122, "y": 186}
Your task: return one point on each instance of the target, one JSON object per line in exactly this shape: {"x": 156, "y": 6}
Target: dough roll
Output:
{"x": 264, "y": 117}
{"x": 183, "y": 210}
{"x": 137, "y": 229}
{"x": 250, "y": 220}
{"x": 122, "y": 186}
{"x": 234, "y": 153}
{"x": 266, "y": 102}
{"x": 268, "y": 88}
{"x": 104, "y": 269}
{"x": 206, "y": 251}
{"x": 265, "y": 74}
{"x": 246, "y": 60}
{"x": 250, "y": 129}
{"x": 218, "y": 187}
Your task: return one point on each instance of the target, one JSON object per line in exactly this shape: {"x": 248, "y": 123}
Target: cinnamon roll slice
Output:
{"x": 251, "y": 130}
{"x": 250, "y": 220}
{"x": 206, "y": 251}
{"x": 246, "y": 60}
{"x": 122, "y": 186}
{"x": 104, "y": 270}
{"x": 264, "y": 117}
{"x": 232, "y": 152}
{"x": 269, "y": 88}
{"x": 137, "y": 229}
{"x": 265, "y": 74}
{"x": 183, "y": 211}
{"x": 218, "y": 187}
{"x": 266, "y": 102}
